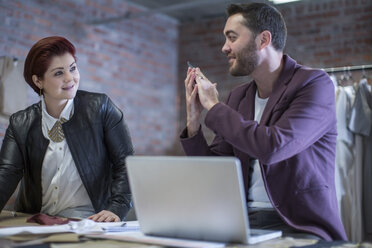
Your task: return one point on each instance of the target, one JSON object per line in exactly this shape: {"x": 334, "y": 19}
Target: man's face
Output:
{"x": 240, "y": 47}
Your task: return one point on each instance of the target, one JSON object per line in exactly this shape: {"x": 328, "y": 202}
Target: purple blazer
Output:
{"x": 295, "y": 143}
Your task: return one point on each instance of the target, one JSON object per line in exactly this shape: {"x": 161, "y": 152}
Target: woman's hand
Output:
{"x": 105, "y": 216}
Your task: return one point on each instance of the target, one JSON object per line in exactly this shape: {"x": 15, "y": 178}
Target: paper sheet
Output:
{"x": 34, "y": 230}
{"x": 85, "y": 226}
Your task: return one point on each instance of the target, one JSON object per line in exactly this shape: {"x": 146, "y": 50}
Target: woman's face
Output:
{"x": 61, "y": 80}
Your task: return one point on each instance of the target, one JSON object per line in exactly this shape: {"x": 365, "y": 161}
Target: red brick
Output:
{"x": 368, "y": 57}
{"x": 322, "y": 54}
{"x": 28, "y": 16}
{"x": 93, "y": 61}
{"x": 43, "y": 22}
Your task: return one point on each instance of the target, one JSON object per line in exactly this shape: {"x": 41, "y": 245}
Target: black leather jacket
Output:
{"x": 98, "y": 139}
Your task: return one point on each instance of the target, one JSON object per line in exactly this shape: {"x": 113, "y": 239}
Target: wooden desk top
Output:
{"x": 71, "y": 240}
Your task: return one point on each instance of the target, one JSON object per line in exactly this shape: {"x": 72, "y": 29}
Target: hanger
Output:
{"x": 364, "y": 72}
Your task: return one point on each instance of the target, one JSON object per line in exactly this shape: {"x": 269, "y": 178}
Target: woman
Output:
{"x": 69, "y": 149}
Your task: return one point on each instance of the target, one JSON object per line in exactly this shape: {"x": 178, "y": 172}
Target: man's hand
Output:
{"x": 105, "y": 216}
{"x": 207, "y": 92}
{"x": 193, "y": 106}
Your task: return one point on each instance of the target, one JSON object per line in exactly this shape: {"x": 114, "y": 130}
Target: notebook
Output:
{"x": 198, "y": 198}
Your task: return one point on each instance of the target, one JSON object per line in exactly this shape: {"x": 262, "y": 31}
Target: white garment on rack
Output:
{"x": 361, "y": 125}
{"x": 13, "y": 88}
{"x": 334, "y": 81}
{"x": 344, "y": 171}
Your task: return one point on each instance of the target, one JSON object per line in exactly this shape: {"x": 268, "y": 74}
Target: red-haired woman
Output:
{"x": 69, "y": 149}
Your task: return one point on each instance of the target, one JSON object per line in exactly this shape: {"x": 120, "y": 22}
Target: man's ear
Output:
{"x": 265, "y": 39}
{"x": 36, "y": 81}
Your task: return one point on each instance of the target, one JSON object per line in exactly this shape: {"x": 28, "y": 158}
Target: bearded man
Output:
{"x": 282, "y": 127}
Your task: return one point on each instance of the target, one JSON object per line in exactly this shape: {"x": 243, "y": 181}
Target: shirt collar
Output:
{"x": 259, "y": 99}
{"x": 49, "y": 120}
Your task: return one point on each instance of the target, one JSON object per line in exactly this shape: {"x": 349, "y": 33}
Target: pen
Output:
{"x": 190, "y": 65}
{"x": 116, "y": 228}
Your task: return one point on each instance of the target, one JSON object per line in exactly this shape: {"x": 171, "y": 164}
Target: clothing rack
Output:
{"x": 348, "y": 68}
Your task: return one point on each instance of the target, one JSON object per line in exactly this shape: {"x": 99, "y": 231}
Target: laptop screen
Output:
{"x": 198, "y": 198}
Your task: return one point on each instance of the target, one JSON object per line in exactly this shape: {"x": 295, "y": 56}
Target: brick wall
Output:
{"x": 328, "y": 33}
{"x": 321, "y": 33}
{"x": 133, "y": 61}
{"x": 141, "y": 63}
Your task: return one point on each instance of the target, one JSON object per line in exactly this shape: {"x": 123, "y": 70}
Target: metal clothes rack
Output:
{"x": 348, "y": 68}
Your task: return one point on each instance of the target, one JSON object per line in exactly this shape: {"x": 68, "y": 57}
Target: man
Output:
{"x": 282, "y": 127}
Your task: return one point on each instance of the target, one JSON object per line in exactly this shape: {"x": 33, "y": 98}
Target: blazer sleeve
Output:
{"x": 294, "y": 125}
{"x": 198, "y": 146}
{"x": 11, "y": 166}
{"x": 119, "y": 145}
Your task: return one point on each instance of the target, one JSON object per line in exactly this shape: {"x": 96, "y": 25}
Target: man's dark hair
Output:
{"x": 260, "y": 17}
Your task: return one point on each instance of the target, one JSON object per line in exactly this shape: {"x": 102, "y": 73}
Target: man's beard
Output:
{"x": 245, "y": 61}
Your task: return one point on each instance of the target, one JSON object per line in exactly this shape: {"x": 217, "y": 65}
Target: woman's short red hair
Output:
{"x": 40, "y": 55}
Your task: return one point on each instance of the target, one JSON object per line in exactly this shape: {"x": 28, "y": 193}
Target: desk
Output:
{"x": 70, "y": 240}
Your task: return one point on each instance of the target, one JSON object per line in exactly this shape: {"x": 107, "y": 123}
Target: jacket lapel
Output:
{"x": 36, "y": 146}
{"x": 246, "y": 106}
{"x": 280, "y": 87}
{"x": 36, "y": 142}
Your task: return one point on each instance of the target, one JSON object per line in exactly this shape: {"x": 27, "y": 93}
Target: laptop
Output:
{"x": 198, "y": 198}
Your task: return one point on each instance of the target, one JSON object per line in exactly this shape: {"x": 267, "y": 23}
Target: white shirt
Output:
{"x": 63, "y": 191}
{"x": 257, "y": 193}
